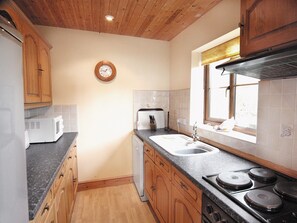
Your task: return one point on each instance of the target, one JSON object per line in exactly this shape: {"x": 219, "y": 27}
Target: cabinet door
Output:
{"x": 266, "y": 24}
{"x": 44, "y": 61}
{"x": 32, "y": 87}
{"x": 69, "y": 193}
{"x": 162, "y": 196}
{"x": 51, "y": 218}
{"x": 149, "y": 188}
{"x": 61, "y": 204}
{"x": 75, "y": 171}
{"x": 182, "y": 210}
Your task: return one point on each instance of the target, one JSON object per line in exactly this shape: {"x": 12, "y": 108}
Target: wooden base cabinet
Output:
{"x": 149, "y": 169}
{"x": 59, "y": 202}
{"x": 157, "y": 187}
{"x": 173, "y": 197}
{"x": 182, "y": 210}
{"x": 162, "y": 196}
{"x": 47, "y": 213}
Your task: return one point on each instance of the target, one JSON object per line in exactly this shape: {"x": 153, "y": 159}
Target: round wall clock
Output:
{"x": 105, "y": 70}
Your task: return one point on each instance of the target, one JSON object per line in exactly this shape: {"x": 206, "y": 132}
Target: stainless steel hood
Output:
{"x": 276, "y": 64}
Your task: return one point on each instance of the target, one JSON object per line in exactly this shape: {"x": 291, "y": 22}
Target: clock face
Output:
{"x": 105, "y": 71}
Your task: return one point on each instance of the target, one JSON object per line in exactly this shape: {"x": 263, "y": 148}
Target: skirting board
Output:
{"x": 104, "y": 183}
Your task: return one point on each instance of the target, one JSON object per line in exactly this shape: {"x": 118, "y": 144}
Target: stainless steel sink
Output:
{"x": 182, "y": 145}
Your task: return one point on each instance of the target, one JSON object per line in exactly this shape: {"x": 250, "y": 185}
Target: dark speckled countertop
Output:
{"x": 194, "y": 167}
{"x": 43, "y": 162}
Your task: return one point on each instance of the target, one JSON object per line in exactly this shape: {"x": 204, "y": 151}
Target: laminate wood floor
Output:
{"x": 116, "y": 204}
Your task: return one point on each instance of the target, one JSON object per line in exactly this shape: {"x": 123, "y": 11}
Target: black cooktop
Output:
{"x": 269, "y": 196}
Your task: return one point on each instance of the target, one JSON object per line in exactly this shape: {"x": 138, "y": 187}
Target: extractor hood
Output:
{"x": 274, "y": 64}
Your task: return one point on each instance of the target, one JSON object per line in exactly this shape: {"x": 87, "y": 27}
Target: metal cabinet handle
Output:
{"x": 153, "y": 188}
{"x": 61, "y": 175}
{"x": 46, "y": 208}
{"x": 240, "y": 25}
{"x": 183, "y": 186}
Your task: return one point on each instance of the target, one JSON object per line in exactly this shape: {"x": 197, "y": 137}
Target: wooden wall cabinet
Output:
{"x": 36, "y": 59}
{"x": 173, "y": 197}
{"x": 37, "y": 72}
{"x": 59, "y": 202}
{"x": 45, "y": 72}
{"x": 267, "y": 24}
{"x": 31, "y": 67}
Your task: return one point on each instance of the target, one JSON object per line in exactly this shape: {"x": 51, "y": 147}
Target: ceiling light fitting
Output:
{"x": 109, "y": 18}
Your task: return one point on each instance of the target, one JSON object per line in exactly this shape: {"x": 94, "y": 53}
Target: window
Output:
{"x": 229, "y": 96}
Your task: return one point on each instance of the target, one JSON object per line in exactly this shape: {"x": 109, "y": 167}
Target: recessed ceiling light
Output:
{"x": 109, "y": 18}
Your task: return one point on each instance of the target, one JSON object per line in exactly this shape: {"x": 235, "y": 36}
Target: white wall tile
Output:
{"x": 289, "y": 86}
{"x": 149, "y": 99}
{"x": 264, "y": 101}
{"x": 275, "y": 100}
{"x": 264, "y": 87}
{"x": 68, "y": 112}
{"x": 276, "y": 87}
{"x": 288, "y": 101}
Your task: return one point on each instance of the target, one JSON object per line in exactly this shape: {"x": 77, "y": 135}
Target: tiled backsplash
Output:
{"x": 68, "y": 112}
{"x": 149, "y": 99}
{"x": 179, "y": 107}
{"x": 277, "y": 122}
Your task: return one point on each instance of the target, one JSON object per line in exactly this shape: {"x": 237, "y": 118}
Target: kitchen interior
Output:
{"x": 148, "y": 111}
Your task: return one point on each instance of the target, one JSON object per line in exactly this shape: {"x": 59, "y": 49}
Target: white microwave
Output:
{"x": 44, "y": 128}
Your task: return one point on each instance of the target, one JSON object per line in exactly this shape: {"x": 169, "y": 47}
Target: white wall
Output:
{"x": 105, "y": 110}
{"x": 220, "y": 20}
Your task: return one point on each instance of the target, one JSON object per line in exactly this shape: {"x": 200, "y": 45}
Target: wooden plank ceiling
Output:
{"x": 154, "y": 19}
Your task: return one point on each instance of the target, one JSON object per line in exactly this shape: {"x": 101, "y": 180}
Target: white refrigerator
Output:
{"x": 13, "y": 179}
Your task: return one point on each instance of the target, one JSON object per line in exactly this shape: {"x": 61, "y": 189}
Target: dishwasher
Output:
{"x": 143, "y": 122}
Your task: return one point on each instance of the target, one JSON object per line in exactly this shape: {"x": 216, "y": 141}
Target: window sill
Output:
{"x": 233, "y": 134}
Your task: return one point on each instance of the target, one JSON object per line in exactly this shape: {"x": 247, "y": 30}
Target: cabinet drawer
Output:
{"x": 69, "y": 159}
{"x": 149, "y": 151}
{"x": 187, "y": 188}
{"x": 59, "y": 178}
{"x": 163, "y": 164}
{"x": 45, "y": 208}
